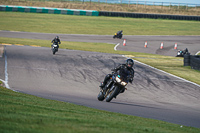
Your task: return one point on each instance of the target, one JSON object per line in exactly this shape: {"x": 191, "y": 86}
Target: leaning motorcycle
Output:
{"x": 115, "y": 85}
{"x": 118, "y": 35}
{"x": 54, "y": 48}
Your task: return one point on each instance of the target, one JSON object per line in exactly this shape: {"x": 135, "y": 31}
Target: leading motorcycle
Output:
{"x": 54, "y": 48}
{"x": 114, "y": 86}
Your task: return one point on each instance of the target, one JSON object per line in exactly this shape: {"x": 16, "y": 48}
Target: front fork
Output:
{"x": 108, "y": 91}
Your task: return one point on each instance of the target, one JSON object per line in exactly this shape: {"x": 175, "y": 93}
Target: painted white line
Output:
{"x": 115, "y": 48}
{"x": 165, "y": 72}
{"x": 6, "y": 71}
{"x": 197, "y": 53}
{"x": 2, "y": 81}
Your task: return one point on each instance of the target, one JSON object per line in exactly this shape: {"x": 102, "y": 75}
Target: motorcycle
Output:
{"x": 114, "y": 86}
{"x": 119, "y": 35}
{"x": 54, "y": 48}
{"x": 181, "y": 53}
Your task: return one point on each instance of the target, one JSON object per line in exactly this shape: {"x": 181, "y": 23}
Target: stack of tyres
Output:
{"x": 195, "y": 62}
{"x": 187, "y": 59}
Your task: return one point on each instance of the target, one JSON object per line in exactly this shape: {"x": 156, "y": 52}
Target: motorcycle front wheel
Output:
{"x": 53, "y": 50}
{"x": 100, "y": 97}
{"x": 112, "y": 94}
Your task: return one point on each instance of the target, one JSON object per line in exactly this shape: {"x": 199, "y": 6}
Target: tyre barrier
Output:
{"x": 195, "y": 62}
{"x": 153, "y": 16}
{"x": 93, "y": 13}
{"x": 192, "y": 60}
{"x": 48, "y": 10}
{"x": 187, "y": 59}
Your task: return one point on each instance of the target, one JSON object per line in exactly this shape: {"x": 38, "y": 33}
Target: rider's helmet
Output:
{"x": 129, "y": 63}
{"x": 57, "y": 37}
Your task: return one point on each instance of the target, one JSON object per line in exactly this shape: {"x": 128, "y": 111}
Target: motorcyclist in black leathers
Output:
{"x": 56, "y": 41}
{"x": 128, "y": 67}
{"x": 120, "y": 32}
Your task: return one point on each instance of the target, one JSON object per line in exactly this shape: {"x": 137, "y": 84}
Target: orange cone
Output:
{"x": 145, "y": 45}
{"x": 161, "y": 45}
{"x": 175, "y": 46}
{"x": 124, "y": 42}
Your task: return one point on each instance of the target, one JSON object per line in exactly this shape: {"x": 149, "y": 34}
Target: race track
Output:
{"x": 74, "y": 76}
{"x": 133, "y": 43}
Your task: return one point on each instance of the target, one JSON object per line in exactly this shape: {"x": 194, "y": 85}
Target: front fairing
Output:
{"x": 124, "y": 75}
{"x": 120, "y": 80}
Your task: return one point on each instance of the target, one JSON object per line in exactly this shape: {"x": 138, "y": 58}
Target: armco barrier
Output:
{"x": 48, "y": 10}
{"x": 153, "y": 16}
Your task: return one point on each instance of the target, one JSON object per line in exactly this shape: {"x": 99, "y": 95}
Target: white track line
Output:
{"x": 6, "y": 71}
{"x": 197, "y": 53}
{"x": 115, "y": 48}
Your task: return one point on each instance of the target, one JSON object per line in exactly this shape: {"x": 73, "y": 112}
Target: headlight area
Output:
{"x": 124, "y": 83}
{"x": 119, "y": 81}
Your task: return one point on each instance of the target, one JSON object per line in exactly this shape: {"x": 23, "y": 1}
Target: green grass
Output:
{"x": 69, "y": 24}
{"x": 25, "y": 113}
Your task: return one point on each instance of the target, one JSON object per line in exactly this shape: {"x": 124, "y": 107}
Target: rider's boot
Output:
{"x": 102, "y": 85}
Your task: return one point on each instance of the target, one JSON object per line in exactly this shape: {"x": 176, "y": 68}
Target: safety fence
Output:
{"x": 93, "y": 13}
{"x": 143, "y": 15}
{"x": 192, "y": 60}
{"x": 136, "y": 2}
{"x": 48, "y": 10}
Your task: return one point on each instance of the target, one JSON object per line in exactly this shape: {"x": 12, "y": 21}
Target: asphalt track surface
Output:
{"x": 74, "y": 76}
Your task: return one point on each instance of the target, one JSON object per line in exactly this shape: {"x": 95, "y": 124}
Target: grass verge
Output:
{"x": 72, "y": 24}
{"x": 25, "y": 113}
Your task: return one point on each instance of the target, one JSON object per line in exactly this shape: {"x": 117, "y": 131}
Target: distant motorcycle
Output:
{"x": 181, "y": 53}
{"x": 115, "y": 85}
{"x": 119, "y": 34}
{"x": 54, "y": 48}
